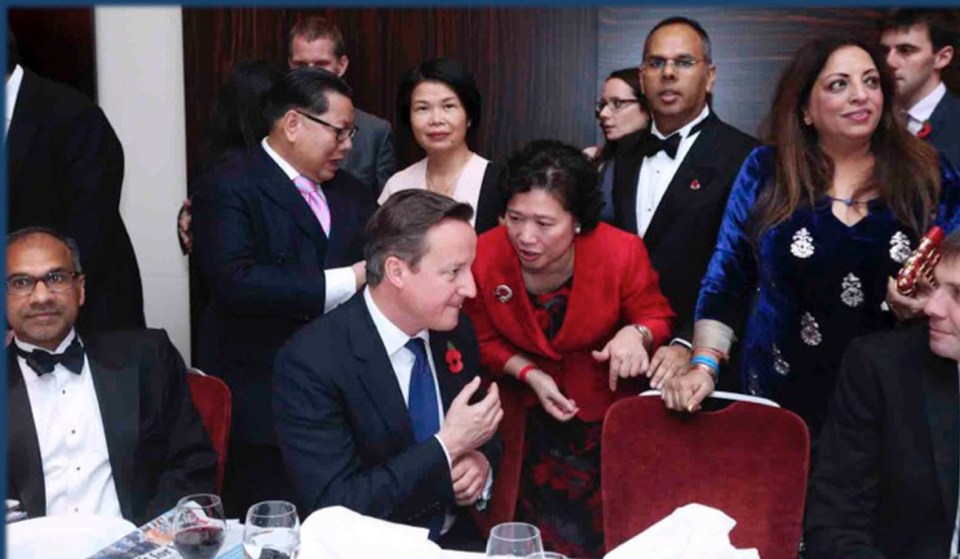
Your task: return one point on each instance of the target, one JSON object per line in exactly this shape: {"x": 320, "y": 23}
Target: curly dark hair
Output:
{"x": 560, "y": 169}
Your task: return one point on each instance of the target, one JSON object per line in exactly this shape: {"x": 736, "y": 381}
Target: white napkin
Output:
{"x": 691, "y": 532}
{"x": 340, "y": 533}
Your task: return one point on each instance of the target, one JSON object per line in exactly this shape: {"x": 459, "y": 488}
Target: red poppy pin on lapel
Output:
{"x": 454, "y": 359}
{"x": 925, "y": 130}
{"x": 694, "y": 184}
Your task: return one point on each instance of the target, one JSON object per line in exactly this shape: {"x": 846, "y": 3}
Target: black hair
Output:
{"x": 448, "y": 72}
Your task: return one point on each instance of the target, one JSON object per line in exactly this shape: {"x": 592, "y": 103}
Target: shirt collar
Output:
{"x": 67, "y": 340}
{"x": 287, "y": 168}
{"x": 685, "y": 129}
{"x": 393, "y": 337}
{"x": 924, "y": 108}
{"x": 13, "y": 89}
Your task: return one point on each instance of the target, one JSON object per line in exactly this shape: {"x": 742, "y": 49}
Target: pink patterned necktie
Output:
{"x": 316, "y": 200}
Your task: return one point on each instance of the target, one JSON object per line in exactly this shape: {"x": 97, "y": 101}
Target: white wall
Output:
{"x": 140, "y": 88}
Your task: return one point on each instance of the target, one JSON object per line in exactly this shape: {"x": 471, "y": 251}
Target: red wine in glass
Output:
{"x": 199, "y": 542}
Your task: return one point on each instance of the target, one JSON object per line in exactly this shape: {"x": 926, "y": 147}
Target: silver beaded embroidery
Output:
{"x": 802, "y": 246}
{"x": 780, "y": 364}
{"x": 899, "y": 247}
{"x": 852, "y": 295}
{"x": 810, "y": 330}
{"x": 753, "y": 383}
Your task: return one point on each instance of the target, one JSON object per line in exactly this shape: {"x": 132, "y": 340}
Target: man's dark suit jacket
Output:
{"x": 159, "y": 450}
{"x": 372, "y": 160}
{"x": 885, "y": 479}
{"x": 344, "y": 429}
{"x": 65, "y": 170}
{"x": 262, "y": 252}
{"x": 682, "y": 235}
{"x": 945, "y": 128}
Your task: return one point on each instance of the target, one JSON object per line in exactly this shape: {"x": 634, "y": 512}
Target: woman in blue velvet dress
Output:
{"x": 817, "y": 223}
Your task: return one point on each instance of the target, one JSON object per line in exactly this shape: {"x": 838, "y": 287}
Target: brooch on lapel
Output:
{"x": 925, "y": 130}
{"x": 694, "y": 184}
{"x": 454, "y": 359}
{"x": 503, "y": 293}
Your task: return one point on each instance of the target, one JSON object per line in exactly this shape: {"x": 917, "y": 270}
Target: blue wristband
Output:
{"x": 706, "y": 360}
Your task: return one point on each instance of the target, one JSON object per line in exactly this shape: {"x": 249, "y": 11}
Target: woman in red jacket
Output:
{"x": 570, "y": 310}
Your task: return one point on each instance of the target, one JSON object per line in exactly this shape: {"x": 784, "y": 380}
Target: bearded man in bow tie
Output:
{"x": 95, "y": 425}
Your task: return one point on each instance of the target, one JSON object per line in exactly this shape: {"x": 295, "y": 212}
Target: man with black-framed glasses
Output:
{"x": 671, "y": 183}
{"x": 96, "y": 424}
{"x": 278, "y": 236}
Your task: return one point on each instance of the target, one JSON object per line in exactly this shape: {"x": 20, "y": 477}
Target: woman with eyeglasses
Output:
{"x": 438, "y": 101}
{"x": 621, "y": 111}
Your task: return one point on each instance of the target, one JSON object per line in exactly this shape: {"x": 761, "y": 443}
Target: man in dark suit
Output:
{"x": 920, "y": 44}
{"x": 671, "y": 184}
{"x": 279, "y": 240}
{"x": 65, "y": 170}
{"x": 100, "y": 424}
{"x": 886, "y": 474}
{"x": 315, "y": 42}
{"x": 372, "y": 402}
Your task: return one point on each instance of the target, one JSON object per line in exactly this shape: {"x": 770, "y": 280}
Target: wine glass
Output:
{"x": 199, "y": 526}
{"x": 514, "y": 539}
{"x": 272, "y": 531}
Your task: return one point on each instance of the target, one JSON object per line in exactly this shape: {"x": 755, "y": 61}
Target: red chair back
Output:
{"x": 748, "y": 460}
{"x": 212, "y": 400}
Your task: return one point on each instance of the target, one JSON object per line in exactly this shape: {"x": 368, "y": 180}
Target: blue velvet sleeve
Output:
{"x": 732, "y": 273}
{"x": 948, "y": 210}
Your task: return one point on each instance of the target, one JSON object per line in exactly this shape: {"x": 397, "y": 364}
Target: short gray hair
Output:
{"x": 27, "y": 232}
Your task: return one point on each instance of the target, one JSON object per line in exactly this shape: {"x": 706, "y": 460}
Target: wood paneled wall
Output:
{"x": 57, "y": 43}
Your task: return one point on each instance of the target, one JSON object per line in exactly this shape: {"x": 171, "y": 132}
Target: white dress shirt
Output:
{"x": 13, "y": 89}
{"x": 340, "y": 283}
{"x": 77, "y": 475}
{"x": 921, "y": 112}
{"x": 658, "y": 170}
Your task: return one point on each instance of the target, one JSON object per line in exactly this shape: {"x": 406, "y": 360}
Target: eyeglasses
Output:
{"x": 343, "y": 134}
{"x": 680, "y": 62}
{"x": 56, "y": 282}
{"x": 615, "y": 104}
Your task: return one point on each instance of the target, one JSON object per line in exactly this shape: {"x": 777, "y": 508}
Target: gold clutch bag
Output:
{"x": 921, "y": 263}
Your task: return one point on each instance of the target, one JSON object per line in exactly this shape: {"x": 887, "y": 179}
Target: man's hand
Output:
{"x": 183, "y": 227}
{"x": 685, "y": 392}
{"x": 668, "y": 362}
{"x": 553, "y": 401}
{"x": 360, "y": 272}
{"x": 469, "y": 476}
{"x": 467, "y": 427}
{"x": 626, "y": 353}
{"x": 903, "y": 307}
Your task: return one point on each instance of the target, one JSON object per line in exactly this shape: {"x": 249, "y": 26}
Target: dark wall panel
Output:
{"x": 57, "y": 43}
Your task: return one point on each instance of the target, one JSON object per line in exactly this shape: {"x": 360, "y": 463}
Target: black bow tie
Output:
{"x": 670, "y": 144}
{"x": 43, "y": 362}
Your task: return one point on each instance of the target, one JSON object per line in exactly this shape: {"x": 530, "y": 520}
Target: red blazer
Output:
{"x": 613, "y": 285}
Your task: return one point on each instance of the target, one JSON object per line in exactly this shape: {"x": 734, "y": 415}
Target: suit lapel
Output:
{"x": 25, "y": 467}
{"x": 626, "y": 174}
{"x": 275, "y": 184}
{"x": 376, "y": 372}
{"x": 118, "y": 394}
{"x": 450, "y": 383}
{"x": 939, "y": 119}
{"x": 942, "y": 405}
{"x": 695, "y": 167}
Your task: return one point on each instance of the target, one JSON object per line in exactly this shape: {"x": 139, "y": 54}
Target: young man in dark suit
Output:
{"x": 65, "y": 170}
{"x": 920, "y": 45}
{"x": 373, "y": 402}
{"x": 315, "y": 42}
{"x": 96, "y": 424}
{"x": 279, "y": 239}
{"x": 671, "y": 184}
{"x": 885, "y": 479}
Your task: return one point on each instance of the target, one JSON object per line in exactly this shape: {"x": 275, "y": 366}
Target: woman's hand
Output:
{"x": 183, "y": 227}
{"x": 668, "y": 361}
{"x": 627, "y": 355}
{"x": 906, "y": 308}
{"x": 552, "y": 400}
{"x": 686, "y": 391}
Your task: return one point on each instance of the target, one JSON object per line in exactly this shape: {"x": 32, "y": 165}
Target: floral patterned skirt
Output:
{"x": 560, "y": 484}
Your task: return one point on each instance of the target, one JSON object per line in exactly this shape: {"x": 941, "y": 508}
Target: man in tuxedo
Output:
{"x": 373, "y": 402}
{"x": 671, "y": 184}
{"x": 96, "y": 424}
{"x": 65, "y": 171}
{"x": 279, "y": 238}
{"x": 886, "y": 474}
{"x": 920, "y": 44}
{"x": 315, "y": 42}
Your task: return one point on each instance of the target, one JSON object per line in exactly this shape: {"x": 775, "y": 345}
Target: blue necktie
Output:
{"x": 424, "y": 414}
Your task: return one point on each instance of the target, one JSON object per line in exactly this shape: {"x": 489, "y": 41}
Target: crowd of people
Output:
{"x": 439, "y": 345}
